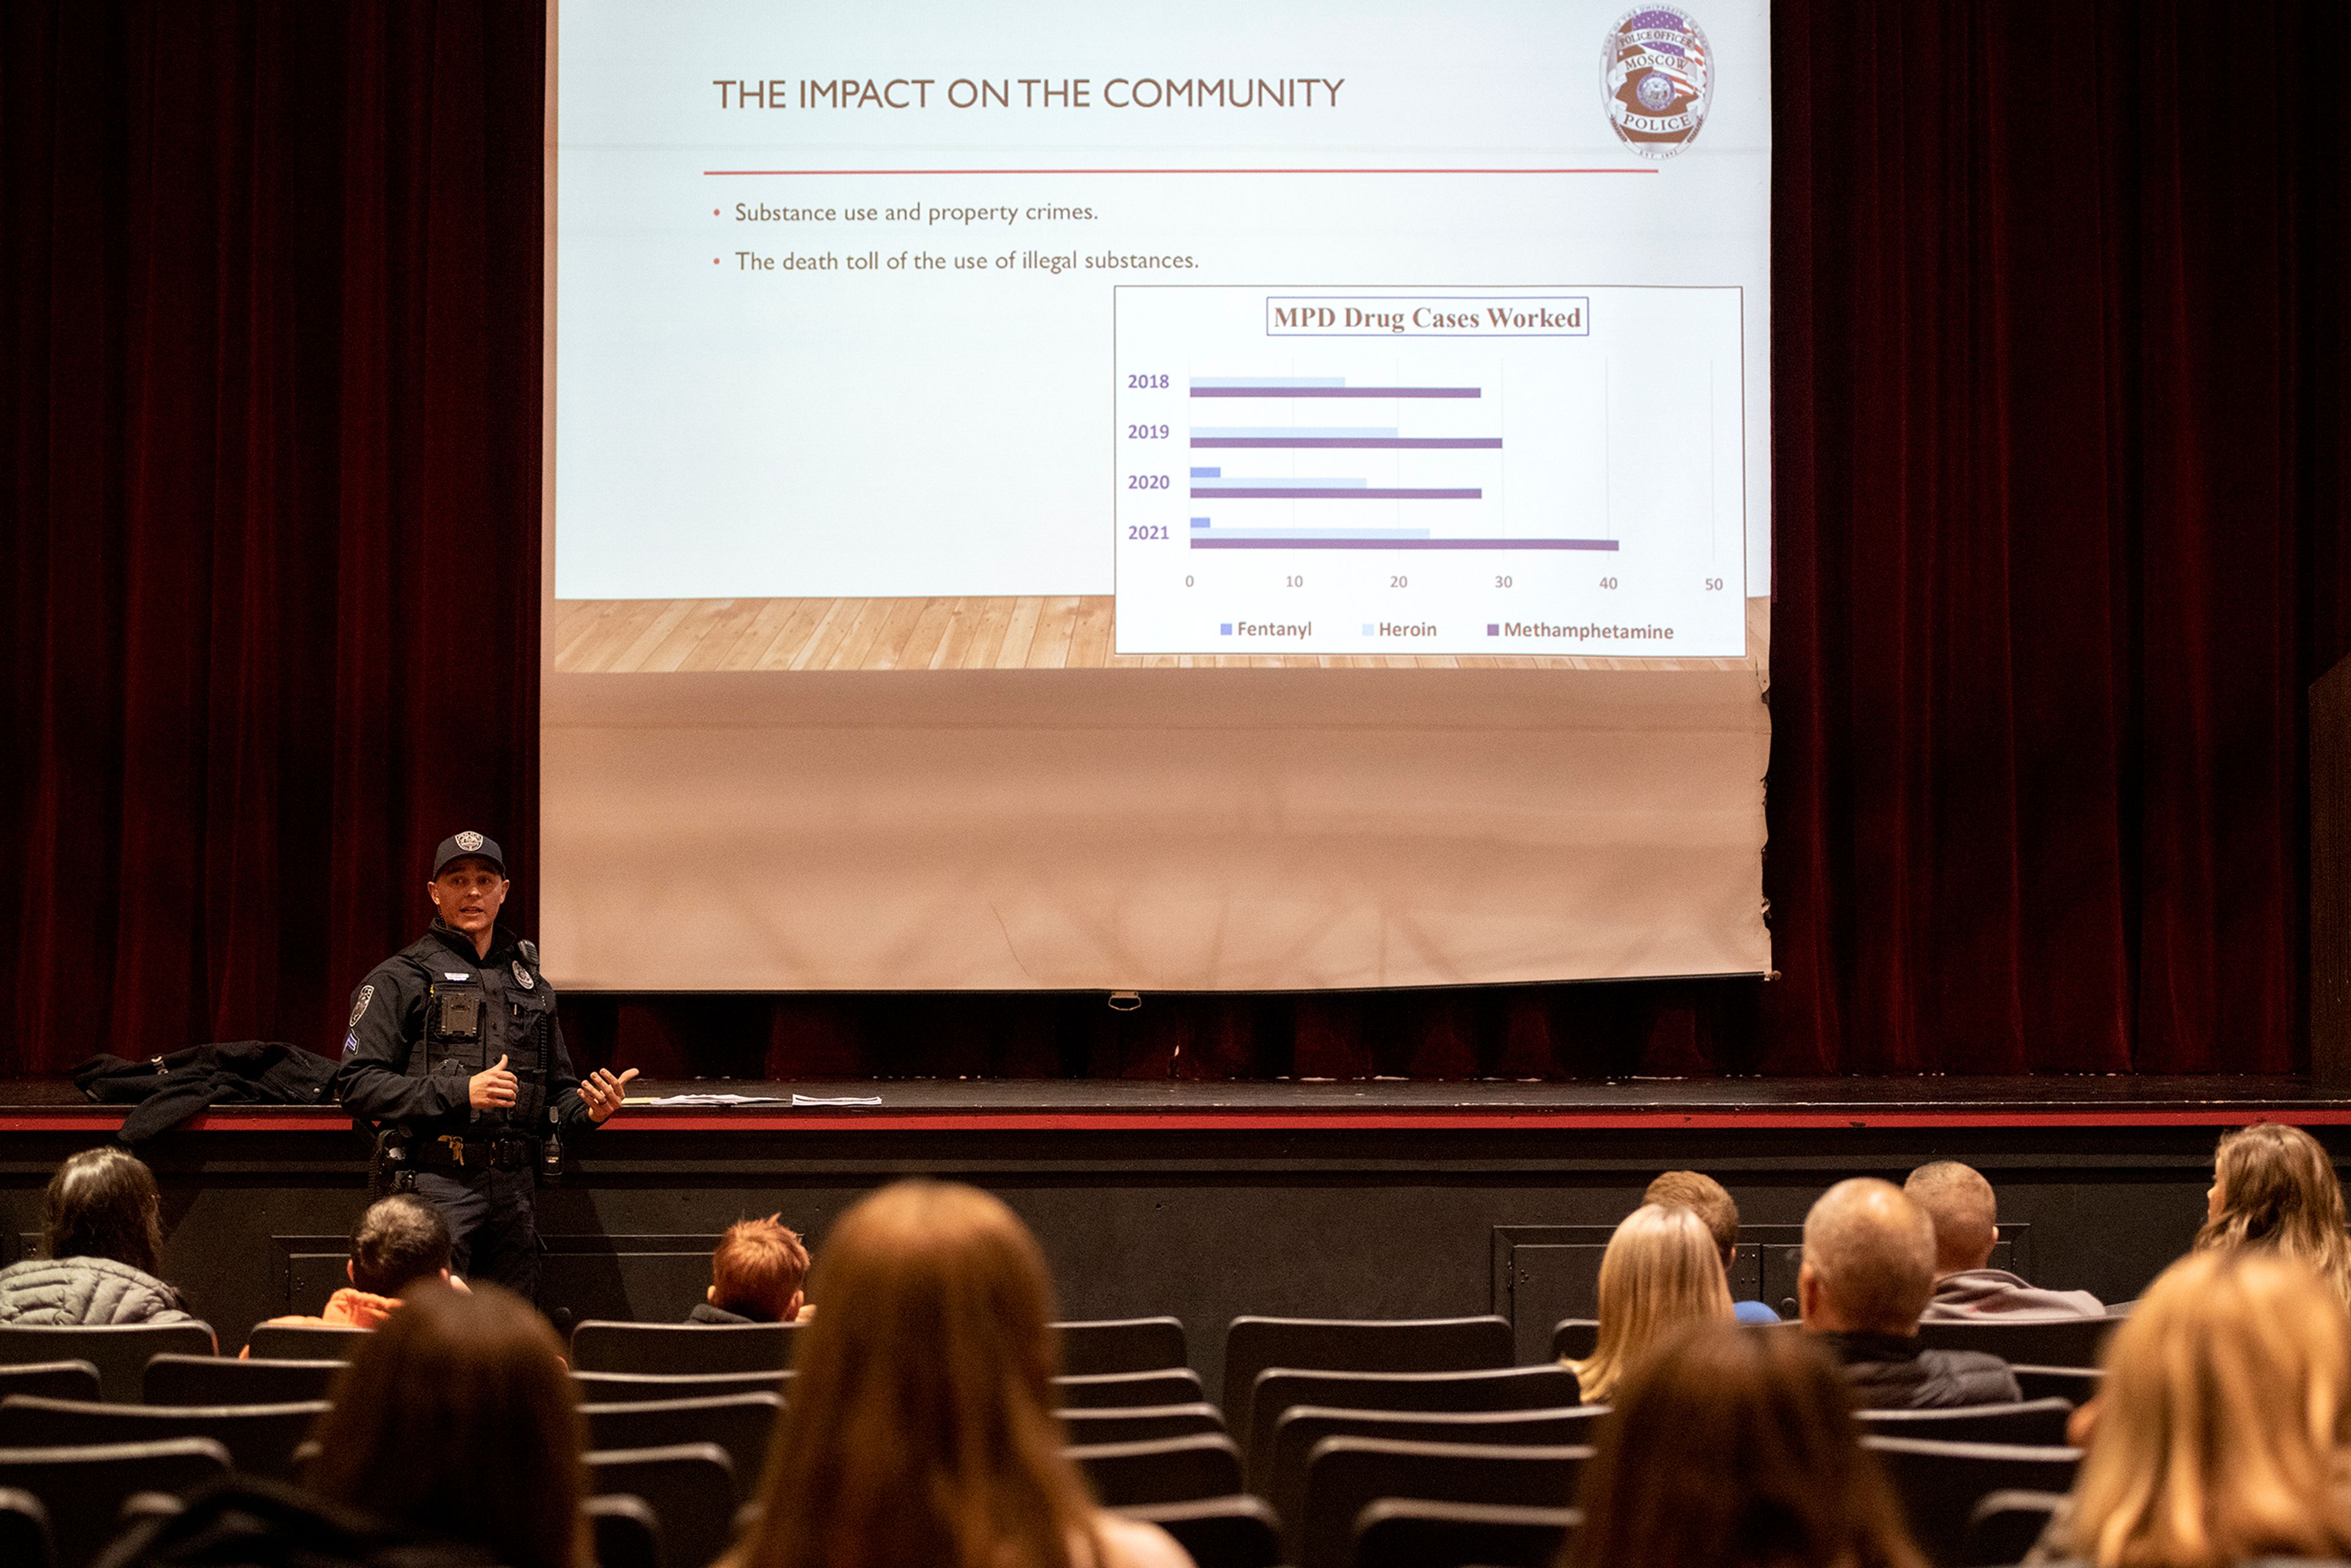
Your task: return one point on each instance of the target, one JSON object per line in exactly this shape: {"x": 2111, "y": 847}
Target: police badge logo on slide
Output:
{"x": 1656, "y": 78}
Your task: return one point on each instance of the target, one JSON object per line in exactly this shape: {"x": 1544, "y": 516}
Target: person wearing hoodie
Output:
{"x": 756, "y": 1276}
{"x": 102, "y": 1238}
{"x": 398, "y": 1241}
{"x": 1966, "y": 1218}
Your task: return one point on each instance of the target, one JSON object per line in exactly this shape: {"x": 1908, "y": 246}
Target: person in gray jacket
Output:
{"x": 104, "y": 1241}
{"x": 1966, "y": 1216}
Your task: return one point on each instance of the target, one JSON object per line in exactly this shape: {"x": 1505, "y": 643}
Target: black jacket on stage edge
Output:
{"x": 1891, "y": 1372}
{"x": 170, "y": 1088}
{"x": 407, "y": 1056}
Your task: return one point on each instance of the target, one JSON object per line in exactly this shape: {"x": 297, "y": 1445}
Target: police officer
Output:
{"x": 454, "y": 1047}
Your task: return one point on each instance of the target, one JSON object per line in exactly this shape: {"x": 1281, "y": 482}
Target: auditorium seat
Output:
{"x": 119, "y": 1353}
{"x": 1149, "y": 1424}
{"x": 2005, "y": 1525}
{"x": 260, "y": 1438}
{"x": 2049, "y": 1341}
{"x": 2036, "y": 1422}
{"x": 235, "y": 1380}
{"x": 25, "y": 1528}
{"x": 1344, "y": 1476}
{"x": 625, "y": 1531}
{"x": 1174, "y": 1470}
{"x": 83, "y": 1490}
{"x": 1237, "y": 1531}
{"x": 1574, "y": 1339}
{"x": 1355, "y": 1345}
{"x": 1121, "y": 1345}
{"x": 598, "y": 1346}
{"x": 620, "y": 1388}
{"x": 1281, "y": 1477}
{"x": 1548, "y": 1387}
{"x": 1129, "y": 1390}
{"x": 739, "y": 1422}
{"x": 51, "y": 1380}
{"x": 1405, "y": 1532}
{"x": 304, "y": 1341}
{"x": 1940, "y": 1483}
{"x": 690, "y": 1488}
{"x": 2077, "y": 1383}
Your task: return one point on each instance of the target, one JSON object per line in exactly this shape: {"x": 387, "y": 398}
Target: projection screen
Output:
{"x": 1239, "y": 495}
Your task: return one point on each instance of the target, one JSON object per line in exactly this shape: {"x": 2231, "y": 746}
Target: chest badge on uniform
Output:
{"x": 360, "y": 1007}
{"x": 522, "y": 977}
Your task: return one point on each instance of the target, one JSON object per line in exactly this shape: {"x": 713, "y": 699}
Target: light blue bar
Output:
{"x": 1269, "y": 380}
{"x": 1207, "y": 473}
{"x": 1328, "y": 432}
{"x": 1252, "y": 482}
{"x": 1306, "y": 533}
{"x": 1200, "y": 522}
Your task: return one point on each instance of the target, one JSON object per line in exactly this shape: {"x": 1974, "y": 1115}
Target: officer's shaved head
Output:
{"x": 1966, "y": 1216}
{"x": 1869, "y": 1260}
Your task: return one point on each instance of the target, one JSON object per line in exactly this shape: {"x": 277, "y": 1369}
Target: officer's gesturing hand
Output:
{"x": 602, "y": 1092}
{"x": 491, "y": 1089}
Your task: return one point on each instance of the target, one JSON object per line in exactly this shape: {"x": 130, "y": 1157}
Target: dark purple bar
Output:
{"x": 1210, "y": 541}
{"x": 1336, "y": 391}
{"x": 1375, "y": 443}
{"x": 1338, "y": 494}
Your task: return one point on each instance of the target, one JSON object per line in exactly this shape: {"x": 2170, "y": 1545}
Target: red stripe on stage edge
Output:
{"x": 654, "y": 1121}
{"x": 719, "y": 172}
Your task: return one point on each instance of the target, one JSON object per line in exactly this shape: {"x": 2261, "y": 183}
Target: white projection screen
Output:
{"x": 1234, "y": 496}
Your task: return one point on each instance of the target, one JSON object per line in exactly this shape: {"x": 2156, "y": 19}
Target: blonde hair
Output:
{"x": 922, "y": 1426}
{"x": 2279, "y": 1192}
{"x": 2220, "y": 1425}
{"x": 1661, "y": 1269}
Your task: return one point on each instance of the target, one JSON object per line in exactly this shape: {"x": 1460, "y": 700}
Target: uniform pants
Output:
{"x": 493, "y": 1233}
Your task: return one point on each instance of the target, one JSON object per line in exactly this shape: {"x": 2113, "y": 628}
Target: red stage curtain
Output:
{"x": 2063, "y": 416}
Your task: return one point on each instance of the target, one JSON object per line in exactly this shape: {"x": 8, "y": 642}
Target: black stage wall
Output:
{"x": 2062, "y": 394}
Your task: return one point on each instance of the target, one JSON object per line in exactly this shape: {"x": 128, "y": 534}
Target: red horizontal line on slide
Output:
{"x": 655, "y": 1121}
{"x": 720, "y": 171}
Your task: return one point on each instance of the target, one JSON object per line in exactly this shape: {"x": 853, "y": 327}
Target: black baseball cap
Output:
{"x": 458, "y": 846}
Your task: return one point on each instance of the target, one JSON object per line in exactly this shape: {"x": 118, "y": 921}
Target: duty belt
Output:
{"x": 450, "y": 1152}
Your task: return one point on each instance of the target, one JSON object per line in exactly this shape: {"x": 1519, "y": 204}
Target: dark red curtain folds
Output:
{"x": 2060, "y": 434}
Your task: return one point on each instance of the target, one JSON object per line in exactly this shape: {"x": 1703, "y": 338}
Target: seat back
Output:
{"x": 1219, "y": 1532}
{"x": 259, "y": 1439}
{"x": 83, "y": 1490}
{"x": 622, "y": 1387}
{"x": 1574, "y": 1339}
{"x": 741, "y": 1424}
{"x": 1174, "y": 1470}
{"x": 1405, "y": 1532}
{"x": 625, "y": 1532}
{"x": 676, "y": 1349}
{"x": 1496, "y": 1388}
{"x": 1940, "y": 1483}
{"x": 690, "y": 1489}
{"x": 51, "y": 1380}
{"x": 118, "y": 1352}
{"x": 304, "y": 1341}
{"x": 235, "y": 1380}
{"x": 2006, "y": 1525}
{"x": 1151, "y": 1424}
{"x": 25, "y": 1526}
{"x": 1121, "y": 1345}
{"x": 2079, "y": 1384}
{"x": 2039, "y": 1342}
{"x": 1353, "y": 1344}
{"x": 1344, "y": 1476}
{"x": 1129, "y": 1390}
{"x": 1303, "y": 1427}
{"x": 2036, "y": 1422}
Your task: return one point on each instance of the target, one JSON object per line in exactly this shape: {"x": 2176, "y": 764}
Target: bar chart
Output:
{"x": 1285, "y": 483}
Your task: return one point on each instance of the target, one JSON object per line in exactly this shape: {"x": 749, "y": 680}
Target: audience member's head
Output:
{"x": 1960, "y": 1204}
{"x": 1869, "y": 1260}
{"x": 1733, "y": 1449}
{"x": 923, "y": 1412}
{"x": 398, "y": 1241}
{"x": 457, "y": 1419}
{"x": 2219, "y": 1430}
{"x": 102, "y": 1203}
{"x": 1704, "y": 1196}
{"x": 1661, "y": 1271}
{"x": 2275, "y": 1189}
{"x": 758, "y": 1269}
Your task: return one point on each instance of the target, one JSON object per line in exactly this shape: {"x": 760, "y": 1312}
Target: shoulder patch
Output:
{"x": 360, "y": 1007}
{"x": 522, "y": 977}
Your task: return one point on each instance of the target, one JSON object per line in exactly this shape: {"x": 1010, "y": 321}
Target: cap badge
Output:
{"x": 469, "y": 842}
